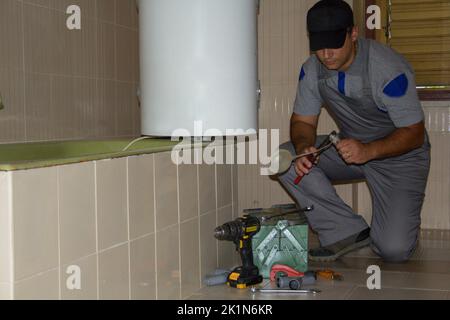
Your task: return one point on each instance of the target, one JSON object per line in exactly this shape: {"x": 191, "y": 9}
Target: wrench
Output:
{"x": 313, "y": 291}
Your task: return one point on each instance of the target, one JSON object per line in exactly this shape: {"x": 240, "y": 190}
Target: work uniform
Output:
{"x": 376, "y": 95}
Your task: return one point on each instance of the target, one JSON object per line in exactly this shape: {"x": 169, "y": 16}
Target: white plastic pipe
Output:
{"x": 198, "y": 63}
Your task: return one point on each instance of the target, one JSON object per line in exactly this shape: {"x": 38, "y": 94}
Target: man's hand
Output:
{"x": 353, "y": 151}
{"x": 303, "y": 165}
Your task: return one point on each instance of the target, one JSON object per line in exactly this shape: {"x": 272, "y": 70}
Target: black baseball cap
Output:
{"x": 328, "y": 22}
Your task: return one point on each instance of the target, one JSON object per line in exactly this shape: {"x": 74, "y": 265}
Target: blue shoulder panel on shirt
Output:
{"x": 397, "y": 87}
{"x": 341, "y": 83}
{"x": 302, "y": 74}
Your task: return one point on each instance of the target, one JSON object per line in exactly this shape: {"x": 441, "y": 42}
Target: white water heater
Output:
{"x": 198, "y": 63}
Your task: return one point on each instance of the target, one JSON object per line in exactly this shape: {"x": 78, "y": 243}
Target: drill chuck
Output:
{"x": 228, "y": 232}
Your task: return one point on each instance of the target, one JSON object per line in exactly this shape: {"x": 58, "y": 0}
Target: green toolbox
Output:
{"x": 283, "y": 238}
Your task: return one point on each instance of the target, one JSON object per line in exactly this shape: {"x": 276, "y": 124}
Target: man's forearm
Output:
{"x": 303, "y": 135}
{"x": 401, "y": 141}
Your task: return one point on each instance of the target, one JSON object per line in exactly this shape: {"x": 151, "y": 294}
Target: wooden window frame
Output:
{"x": 424, "y": 94}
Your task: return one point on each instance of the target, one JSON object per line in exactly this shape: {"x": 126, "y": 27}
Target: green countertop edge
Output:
{"x": 17, "y": 166}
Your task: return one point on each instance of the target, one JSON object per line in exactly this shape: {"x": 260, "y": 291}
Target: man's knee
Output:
{"x": 289, "y": 146}
{"x": 395, "y": 250}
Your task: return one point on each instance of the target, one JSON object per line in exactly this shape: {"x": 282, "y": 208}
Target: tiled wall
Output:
{"x": 138, "y": 227}
{"x": 283, "y": 47}
{"x": 60, "y": 84}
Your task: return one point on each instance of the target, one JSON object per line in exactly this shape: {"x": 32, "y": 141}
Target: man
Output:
{"x": 370, "y": 91}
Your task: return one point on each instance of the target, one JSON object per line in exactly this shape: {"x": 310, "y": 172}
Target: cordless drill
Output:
{"x": 241, "y": 231}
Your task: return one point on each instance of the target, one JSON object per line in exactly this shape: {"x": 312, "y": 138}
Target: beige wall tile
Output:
{"x": 166, "y": 196}
{"x": 207, "y": 195}
{"x": 84, "y": 45}
{"x": 106, "y": 10}
{"x": 113, "y": 273}
{"x": 5, "y": 291}
{"x": 137, "y": 131}
{"x": 188, "y": 192}
{"x": 38, "y": 106}
{"x": 123, "y": 12}
{"x": 168, "y": 263}
{"x": 136, "y": 56}
{"x": 190, "y": 257}
{"x": 134, "y": 14}
{"x": 127, "y": 107}
{"x": 44, "y": 286}
{"x": 12, "y": 117}
{"x": 105, "y": 109}
{"x": 111, "y": 203}
{"x": 143, "y": 268}
{"x": 224, "y": 190}
{"x": 141, "y": 195}
{"x": 6, "y": 224}
{"x": 208, "y": 244}
{"x": 345, "y": 191}
{"x": 44, "y": 3}
{"x": 88, "y": 279}
{"x": 77, "y": 211}
{"x": 226, "y": 250}
{"x": 235, "y": 188}
{"x": 88, "y": 7}
{"x": 106, "y": 50}
{"x": 35, "y": 206}
{"x": 124, "y": 51}
{"x": 11, "y": 52}
{"x": 38, "y": 33}
{"x": 78, "y": 95}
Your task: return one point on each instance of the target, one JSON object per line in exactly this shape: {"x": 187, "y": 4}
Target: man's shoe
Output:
{"x": 334, "y": 251}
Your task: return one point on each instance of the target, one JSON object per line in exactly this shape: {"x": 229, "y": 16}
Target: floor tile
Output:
{"x": 425, "y": 276}
{"x": 431, "y": 281}
{"x": 362, "y": 293}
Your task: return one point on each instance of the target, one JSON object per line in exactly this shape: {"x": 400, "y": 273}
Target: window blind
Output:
{"x": 420, "y": 30}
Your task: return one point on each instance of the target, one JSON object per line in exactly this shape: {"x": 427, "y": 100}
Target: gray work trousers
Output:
{"x": 397, "y": 186}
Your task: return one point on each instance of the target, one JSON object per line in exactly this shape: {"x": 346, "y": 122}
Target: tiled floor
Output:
{"x": 425, "y": 276}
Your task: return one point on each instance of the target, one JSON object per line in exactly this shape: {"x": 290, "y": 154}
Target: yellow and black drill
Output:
{"x": 241, "y": 231}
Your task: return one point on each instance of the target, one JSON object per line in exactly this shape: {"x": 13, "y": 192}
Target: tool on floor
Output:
{"x": 281, "y": 268}
{"x": 283, "y": 281}
{"x": 332, "y": 139}
{"x": 218, "y": 277}
{"x": 301, "y": 291}
{"x": 329, "y": 274}
{"x": 241, "y": 231}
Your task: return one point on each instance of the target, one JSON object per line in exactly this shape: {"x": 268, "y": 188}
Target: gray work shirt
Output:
{"x": 376, "y": 95}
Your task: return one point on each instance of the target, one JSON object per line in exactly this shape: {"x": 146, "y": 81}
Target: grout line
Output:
{"x": 94, "y": 18}
{"x": 11, "y": 247}
{"x": 217, "y": 210}
{"x": 34, "y": 275}
{"x": 154, "y": 227}
{"x": 127, "y": 161}
{"x": 96, "y": 227}
{"x": 179, "y": 226}
{"x": 58, "y": 209}
{"x": 199, "y": 226}
{"x": 23, "y": 73}
{"x": 350, "y": 292}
